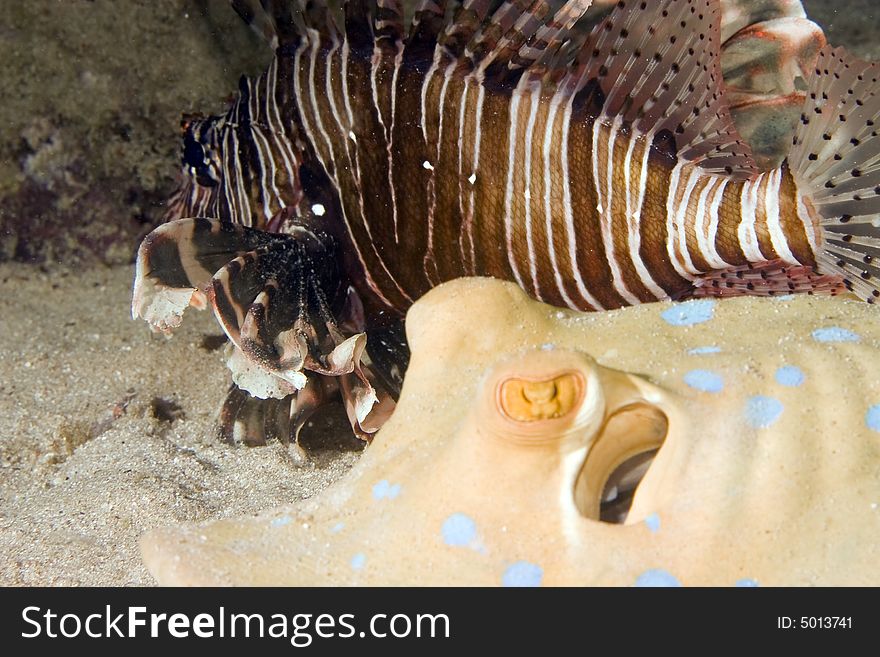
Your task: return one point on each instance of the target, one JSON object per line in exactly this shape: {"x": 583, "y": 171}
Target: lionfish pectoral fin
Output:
{"x": 279, "y": 304}
{"x": 253, "y": 421}
{"x": 835, "y": 161}
{"x": 175, "y": 264}
{"x": 261, "y": 408}
{"x": 389, "y": 352}
{"x": 775, "y": 278}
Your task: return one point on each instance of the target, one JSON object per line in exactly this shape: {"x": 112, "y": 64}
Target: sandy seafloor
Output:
{"x": 106, "y": 430}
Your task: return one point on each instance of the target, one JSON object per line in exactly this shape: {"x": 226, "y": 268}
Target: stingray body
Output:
{"x": 370, "y": 164}
{"x": 535, "y": 446}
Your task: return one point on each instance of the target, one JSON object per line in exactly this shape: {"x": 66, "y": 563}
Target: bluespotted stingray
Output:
{"x": 533, "y": 446}
{"x": 595, "y": 169}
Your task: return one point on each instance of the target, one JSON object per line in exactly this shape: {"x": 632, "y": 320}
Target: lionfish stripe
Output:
{"x": 279, "y": 138}
{"x": 288, "y": 158}
{"x": 551, "y": 194}
{"x": 429, "y": 262}
{"x": 269, "y": 174}
{"x": 806, "y": 218}
{"x": 570, "y": 234}
{"x": 683, "y": 216}
{"x": 620, "y": 193}
{"x": 699, "y": 244}
{"x": 468, "y": 234}
{"x": 795, "y": 225}
{"x": 730, "y": 213}
{"x": 384, "y": 104}
{"x": 599, "y": 148}
{"x": 710, "y": 249}
{"x": 447, "y": 173}
{"x": 634, "y": 209}
{"x": 512, "y": 143}
{"x": 678, "y": 196}
{"x": 238, "y": 169}
{"x": 243, "y": 168}
{"x": 321, "y": 146}
{"x": 398, "y": 60}
{"x": 762, "y": 230}
{"x": 690, "y": 223}
{"x": 778, "y": 238}
{"x": 457, "y": 250}
{"x": 533, "y": 105}
{"x": 747, "y": 233}
{"x": 589, "y": 251}
{"x": 490, "y": 190}
{"x": 347, "y": 135}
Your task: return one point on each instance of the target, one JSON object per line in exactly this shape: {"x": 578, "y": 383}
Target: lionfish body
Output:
{"x": 368, "y": 165}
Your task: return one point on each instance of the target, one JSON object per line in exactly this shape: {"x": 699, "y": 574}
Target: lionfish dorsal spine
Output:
{"x": 596, "y": 171}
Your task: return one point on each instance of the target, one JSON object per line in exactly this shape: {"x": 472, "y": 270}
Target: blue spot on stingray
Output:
{"x": 872, "y": 418}
{"x": 280, "y": 522}
{"x": 835, "y": 334}
{"x": 385, "y": 491}
{"x": 653, "y": 522}
{"x": 762, "y": 411}
{"x": 702, "y": 351}
{"x": 657, "y": 577}
{"x": 689, "y": 312}
{"x": 747, "y": 583}
{"x": 338, "y": 527}
{"x": 789, "y": 375}
{"x": 704, "y": 380}
{"x": 459, "y": 530}
{"x": 522, "y": 573}
{"x": 358, "y": 561}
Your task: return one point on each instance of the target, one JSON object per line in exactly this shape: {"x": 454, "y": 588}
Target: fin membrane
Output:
{"x": 657, "y": 65}
{"x": 251, "y": 421}
{"x": 176, "y": 262}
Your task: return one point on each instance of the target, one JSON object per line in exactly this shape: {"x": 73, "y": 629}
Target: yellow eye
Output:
{"x": 531, "y": 401}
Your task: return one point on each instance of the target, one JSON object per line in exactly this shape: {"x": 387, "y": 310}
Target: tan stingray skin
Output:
{"x": 794, "y": 503}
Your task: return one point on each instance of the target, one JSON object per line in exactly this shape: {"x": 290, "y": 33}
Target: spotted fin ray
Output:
{"x": 836, "y": 158}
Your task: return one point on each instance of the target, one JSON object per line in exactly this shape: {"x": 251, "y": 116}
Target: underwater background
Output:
{"x": 106, "y": 430}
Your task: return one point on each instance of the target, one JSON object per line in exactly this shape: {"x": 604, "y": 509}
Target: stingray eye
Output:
{"x": 529, "y": 400}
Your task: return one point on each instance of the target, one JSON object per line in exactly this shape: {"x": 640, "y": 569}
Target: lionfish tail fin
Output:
{"x": 836, "y": 162}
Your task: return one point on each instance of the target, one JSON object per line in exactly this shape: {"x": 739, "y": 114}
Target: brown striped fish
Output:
{"x": 597, "y": 170}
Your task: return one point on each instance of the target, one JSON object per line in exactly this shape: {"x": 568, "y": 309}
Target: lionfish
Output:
{"x": 597, "y": 170}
